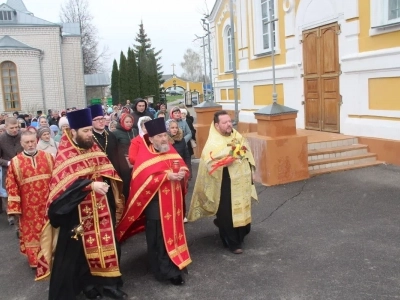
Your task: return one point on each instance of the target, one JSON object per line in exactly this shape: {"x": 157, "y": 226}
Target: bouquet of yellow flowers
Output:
{"x": 237, "y": 151}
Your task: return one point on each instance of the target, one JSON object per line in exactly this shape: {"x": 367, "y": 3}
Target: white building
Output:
{"x": 41, "y": 62}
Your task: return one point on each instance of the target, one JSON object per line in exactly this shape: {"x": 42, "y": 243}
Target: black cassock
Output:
{"x": 231, "y": 237}
{"x": 116, "y": 156}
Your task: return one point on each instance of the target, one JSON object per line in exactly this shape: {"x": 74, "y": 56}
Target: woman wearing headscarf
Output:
{"x": 63, "y": 124}
{"x": 189, "y": 120}
{"x": 124, "y": 135}
{"x": 46, "y": 143}
{"x": 135, "y": 143}
{"x": 124, "y": 132}
{"x": 176, "y": 115}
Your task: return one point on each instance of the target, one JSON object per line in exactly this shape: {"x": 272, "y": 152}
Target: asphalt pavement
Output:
{"x": 334, "y": 236}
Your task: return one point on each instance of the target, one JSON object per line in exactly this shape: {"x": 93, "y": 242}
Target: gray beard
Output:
{"x": 163, "y": 148}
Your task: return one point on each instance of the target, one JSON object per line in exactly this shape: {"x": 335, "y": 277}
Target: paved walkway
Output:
{"x": 334, "y": 236}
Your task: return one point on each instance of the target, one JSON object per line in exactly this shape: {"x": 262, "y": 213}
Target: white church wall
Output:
{"x": 46, "y": 39}
{"x": 73, "y": 72}
{"x": 29, "y": 80}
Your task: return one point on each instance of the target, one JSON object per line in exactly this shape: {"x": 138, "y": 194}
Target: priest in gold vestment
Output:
{"x": 224, "y": 185}
{"x": 27, "y": 184}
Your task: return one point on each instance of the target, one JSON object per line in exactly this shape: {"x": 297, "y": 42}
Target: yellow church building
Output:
{"x": 337, "y": 63}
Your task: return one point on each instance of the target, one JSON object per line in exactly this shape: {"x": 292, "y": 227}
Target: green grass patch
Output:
{"x": 174, "y": 98}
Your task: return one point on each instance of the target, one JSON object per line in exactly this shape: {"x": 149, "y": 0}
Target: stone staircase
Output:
{"x": 338, "y": 155}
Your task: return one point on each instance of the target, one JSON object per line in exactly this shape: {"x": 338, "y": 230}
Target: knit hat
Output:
{"x": 63, "y": 121}
{"x": 42, "y": 130}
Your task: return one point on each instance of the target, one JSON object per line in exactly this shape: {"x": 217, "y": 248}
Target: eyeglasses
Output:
{"x": 100, "y": 120}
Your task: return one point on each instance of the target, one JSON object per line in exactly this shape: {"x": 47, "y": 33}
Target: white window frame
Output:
{"x": 6, "y": 16}
{"x": 228, "y": 54}
{"x": 258, "y": 29}
{"x": 380, "y": 22}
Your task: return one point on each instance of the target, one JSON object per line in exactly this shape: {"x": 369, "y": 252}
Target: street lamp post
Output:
{"x": 233, "y": 47}
{"x": 209, "y": 53}
{"x": 271, "y": 41}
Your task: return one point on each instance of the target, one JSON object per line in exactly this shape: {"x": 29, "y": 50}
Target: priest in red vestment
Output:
{"x": 83, "y": 188}
{"x": 27, "y": 184}
{"x": 155, "y": 204}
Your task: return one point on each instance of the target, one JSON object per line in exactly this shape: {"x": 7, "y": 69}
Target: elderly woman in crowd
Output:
{"x": 54, "y": 130}
{"x": 140, "y": 139}
{"x": 113, "y": 126}
{"x": 189, "y": 120}
{"x": 46, "y": 143}
{"x": 63, "y": 124}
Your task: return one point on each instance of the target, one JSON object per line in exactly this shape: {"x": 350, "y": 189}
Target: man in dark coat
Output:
{"x": 139, "y": 110}
{"x": 10, "y": 146}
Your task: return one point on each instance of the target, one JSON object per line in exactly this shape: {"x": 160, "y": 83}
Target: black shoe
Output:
{"x": 215, "y": 221}
{"x": 11, "y": 222}
{"x": 114, "y": 293}
{"x": 178, "y": 280}
{"x": 93, "y": 294}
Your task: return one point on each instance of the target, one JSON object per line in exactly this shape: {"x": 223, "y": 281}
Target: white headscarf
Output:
{"x": 141, "y": 122}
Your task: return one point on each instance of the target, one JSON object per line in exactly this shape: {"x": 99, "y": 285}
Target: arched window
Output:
{"x": 9, "y": 81}
{"x": 228, "y": 49}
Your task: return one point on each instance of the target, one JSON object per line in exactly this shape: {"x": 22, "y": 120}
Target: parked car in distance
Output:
{"x": 175, "y": 93}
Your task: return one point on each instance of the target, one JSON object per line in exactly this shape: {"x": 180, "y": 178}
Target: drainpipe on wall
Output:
{"x": 62, "y": 69}
{"x": 41, "y": 56}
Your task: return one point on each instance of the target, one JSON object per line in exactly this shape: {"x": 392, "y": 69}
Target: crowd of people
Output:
{"x": 76, "y": 187}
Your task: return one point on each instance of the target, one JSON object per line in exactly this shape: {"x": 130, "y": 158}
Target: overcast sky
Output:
{"x": 171, "y": 25}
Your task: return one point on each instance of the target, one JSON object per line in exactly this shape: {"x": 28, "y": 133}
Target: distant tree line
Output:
{"x": 139, "y": 72}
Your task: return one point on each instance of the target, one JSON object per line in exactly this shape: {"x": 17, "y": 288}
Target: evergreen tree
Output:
{"x": 133, "y": 76}
{"x": 154, "y": 86}
{"x": 143, "y": 72}
{"x": 145, "y": 42}
{"x": 115, "y": 83}
{"x": 123, "y": 79}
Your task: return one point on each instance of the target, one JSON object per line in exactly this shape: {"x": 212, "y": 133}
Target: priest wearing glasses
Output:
{"x": 106, "y": 140}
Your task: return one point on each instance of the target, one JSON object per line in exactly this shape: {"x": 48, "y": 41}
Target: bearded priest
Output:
{"x": 224, "y": 185}
{"x": 155, "y": 204}
{"x": 83, "y": 185}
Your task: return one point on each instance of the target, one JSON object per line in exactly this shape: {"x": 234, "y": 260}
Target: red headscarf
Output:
{"x": 122, "y": 119}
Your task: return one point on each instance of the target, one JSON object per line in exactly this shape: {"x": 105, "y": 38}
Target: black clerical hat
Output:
{"x": 155, "y": 127}
{"x": 97, "y": 110}
{"x": 79, "y": 118}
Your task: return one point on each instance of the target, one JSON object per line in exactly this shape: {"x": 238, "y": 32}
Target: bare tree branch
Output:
{"x": 77, "y": 11}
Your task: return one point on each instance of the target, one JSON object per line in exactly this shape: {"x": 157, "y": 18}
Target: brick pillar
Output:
{"x": 281, "y": 155}
{"x": 204, "y": 117}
